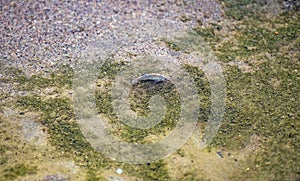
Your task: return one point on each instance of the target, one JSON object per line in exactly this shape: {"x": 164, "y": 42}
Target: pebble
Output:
{"x": 220, "y": 154}
{"x": 54, "y": 177}
{"x": 119, "y": 171}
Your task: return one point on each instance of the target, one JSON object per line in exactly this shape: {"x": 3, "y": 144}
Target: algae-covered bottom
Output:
{"x": 258, "y": 140}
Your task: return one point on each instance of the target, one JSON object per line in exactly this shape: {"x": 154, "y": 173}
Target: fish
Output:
{"x": 156, "y": 78}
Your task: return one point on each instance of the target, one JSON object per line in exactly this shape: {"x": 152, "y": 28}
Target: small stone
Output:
{"x": 219, "y": 153}
{"x": 119, "y": 171}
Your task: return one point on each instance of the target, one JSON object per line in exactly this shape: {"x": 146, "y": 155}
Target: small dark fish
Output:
{"x": 149, "y": 77}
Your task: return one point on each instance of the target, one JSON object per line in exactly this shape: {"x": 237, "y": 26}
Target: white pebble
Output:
{"x": 119, "y": 171}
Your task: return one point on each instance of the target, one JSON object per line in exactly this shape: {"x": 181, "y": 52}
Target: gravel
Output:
{"x": 40, "y": 36}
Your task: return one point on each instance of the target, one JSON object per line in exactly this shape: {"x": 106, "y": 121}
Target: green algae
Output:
{"x": 206, "y": 33}
{"x": 59, "y": 79}
{"x": 172, "y": 45}
{"x": 192, "y": 175}
{"x": 18, "y": 170}
{"x": 139, "y": 97}
{"x": 238, "y": 10}
{"x": 262, "y": 101}
{"x": 185, "y": 18}
{"x": 58, "y": 117}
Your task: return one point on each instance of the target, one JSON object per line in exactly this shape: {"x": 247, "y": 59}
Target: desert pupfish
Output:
{"x": 156, "y": 78}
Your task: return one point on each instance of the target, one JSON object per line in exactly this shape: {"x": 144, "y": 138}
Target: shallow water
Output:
{"x": 242, "y": 53}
